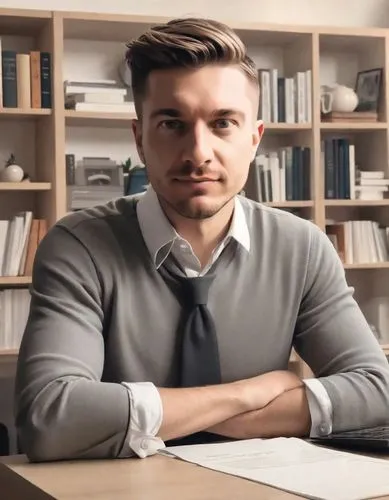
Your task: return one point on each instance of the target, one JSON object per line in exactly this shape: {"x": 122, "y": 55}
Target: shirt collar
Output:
{"x": 159, "y": 235}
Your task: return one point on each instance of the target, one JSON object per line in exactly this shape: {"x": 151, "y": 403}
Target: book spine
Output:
{"x": 46, "y": 79}
{"x": 10, "y": 93}
{"x": 23, "y": 80}
{"x": 35, "y": 68}
{"x": 70, "y": 169}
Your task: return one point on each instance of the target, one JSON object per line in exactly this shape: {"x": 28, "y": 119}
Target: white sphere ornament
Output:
{"x": 12, "y": 172}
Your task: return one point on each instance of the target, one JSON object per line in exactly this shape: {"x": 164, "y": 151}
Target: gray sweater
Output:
{"x": 102, "y": 314}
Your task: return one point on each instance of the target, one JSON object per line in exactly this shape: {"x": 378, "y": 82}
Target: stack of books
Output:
{"x": 103, "y": 96}
{"x": 371, "y": 185}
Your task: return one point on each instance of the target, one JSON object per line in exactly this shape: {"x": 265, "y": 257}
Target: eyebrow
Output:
{"x": 175, "y": 113}
{"x": 172, "y": 112}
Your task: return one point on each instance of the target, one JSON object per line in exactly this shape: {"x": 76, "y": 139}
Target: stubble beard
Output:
{"x": 186, "y": 210}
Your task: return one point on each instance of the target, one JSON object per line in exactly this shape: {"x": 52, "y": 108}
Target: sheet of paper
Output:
{"x": 294, "y": 465}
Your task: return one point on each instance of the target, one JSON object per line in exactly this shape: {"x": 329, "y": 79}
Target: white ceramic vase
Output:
{"x": 12, "y": 173}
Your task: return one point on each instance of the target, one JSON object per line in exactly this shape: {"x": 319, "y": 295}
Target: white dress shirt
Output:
{"x": 161, "y": 238}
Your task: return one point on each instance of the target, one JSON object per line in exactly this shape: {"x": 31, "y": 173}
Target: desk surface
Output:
{"x": 157, "y": 478}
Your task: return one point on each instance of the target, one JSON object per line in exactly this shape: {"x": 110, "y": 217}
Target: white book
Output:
{"x": 79, "y": 89}
{"x": 300, "y": 97}
{"x": 351, "y": 156}
{"x": 24, "y": 243}
{"x": 97, "y": 98}
{"x": 127, "y": 107}
{"x": 274, "y": 94}
{"x": 265, "y": 98}
{"x": 4, "y": 224}
{"x": 92, "y": 82}
{"x": 373, "y": 182}
{"x": 308, "y": 96}
{"x": 370, "y": 174}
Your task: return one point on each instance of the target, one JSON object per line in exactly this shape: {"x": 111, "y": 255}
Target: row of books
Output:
{"x": 343, "y": 178}
{"x": 282, "y": 175}
{"x": 285, "y": 99}
{"x": 14, "y": 310}
{"x": 19, "y": 239}
{"x": 106, "y": 96}
{"x": 359, "y": 241}
{"x": 25, "y": 79}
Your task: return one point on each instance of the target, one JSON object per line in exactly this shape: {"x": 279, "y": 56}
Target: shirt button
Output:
{"x": 144, "y": 445}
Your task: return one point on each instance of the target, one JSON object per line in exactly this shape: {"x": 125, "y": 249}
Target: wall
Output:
{"x": 330, "y": 12}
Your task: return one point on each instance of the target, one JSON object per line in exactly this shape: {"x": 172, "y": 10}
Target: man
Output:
{"x": 116, "y": 361}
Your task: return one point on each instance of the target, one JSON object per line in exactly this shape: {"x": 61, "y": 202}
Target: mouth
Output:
{"x": 197, "y": 180}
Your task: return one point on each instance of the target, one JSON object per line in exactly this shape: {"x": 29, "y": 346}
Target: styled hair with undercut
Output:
{"x": 185, "y": 43}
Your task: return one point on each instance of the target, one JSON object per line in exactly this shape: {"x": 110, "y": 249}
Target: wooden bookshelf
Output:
{"x": 298, "y": 48}
{"x": 25, "y": 186}
{"x": 93, "y": 119}
{"x": 9, "y": 281}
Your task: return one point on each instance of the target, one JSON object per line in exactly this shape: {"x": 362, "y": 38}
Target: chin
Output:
{"x": 199, "y": 209}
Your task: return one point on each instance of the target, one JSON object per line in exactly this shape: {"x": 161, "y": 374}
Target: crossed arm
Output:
{"x": 271, "y": 404}
{"x": 64, "y": 410}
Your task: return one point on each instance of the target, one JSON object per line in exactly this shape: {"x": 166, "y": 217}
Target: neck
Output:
{"x": 203, "y": 235}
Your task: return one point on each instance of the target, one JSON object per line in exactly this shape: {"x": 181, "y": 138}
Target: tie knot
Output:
{"x": 196, "y": 289}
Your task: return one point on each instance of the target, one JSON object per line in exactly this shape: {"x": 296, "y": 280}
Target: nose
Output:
{"x": 198, "y": 146}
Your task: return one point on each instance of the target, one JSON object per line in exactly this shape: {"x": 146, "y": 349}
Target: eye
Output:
{"x": 223, "y": 123}
{"x": 172, "y": 124}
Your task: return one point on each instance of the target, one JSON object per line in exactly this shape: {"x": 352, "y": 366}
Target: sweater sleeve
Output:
{"x": 63, "y": 410}
{"x": 334, "y": 338}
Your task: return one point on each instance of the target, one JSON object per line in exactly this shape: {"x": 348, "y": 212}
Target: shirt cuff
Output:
{"x": 145, "y": 420}
{"x": 320, "y": 408}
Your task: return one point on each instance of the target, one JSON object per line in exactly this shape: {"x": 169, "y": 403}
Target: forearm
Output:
{"x": 286, "y": 415}
{"x": 186, "y": 411}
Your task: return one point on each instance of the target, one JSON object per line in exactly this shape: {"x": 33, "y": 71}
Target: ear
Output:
{"x": 136, "y": 126}
{"x": 257, "y": 135}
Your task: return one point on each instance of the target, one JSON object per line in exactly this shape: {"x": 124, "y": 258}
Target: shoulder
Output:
{"x": 99, "y": 216}
{"x": 274, "y": 220}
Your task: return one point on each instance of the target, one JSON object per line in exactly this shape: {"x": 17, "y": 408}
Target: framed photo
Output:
{"x": 368, "y": 89}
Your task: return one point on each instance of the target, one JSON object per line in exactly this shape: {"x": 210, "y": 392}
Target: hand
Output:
{"x": 258, "y": 392}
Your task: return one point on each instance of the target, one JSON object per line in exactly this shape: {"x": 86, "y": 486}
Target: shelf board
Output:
{"x": 95, "y": 119}
{"x": 345, "y": 126}
{"x": 14, "y": 280}
{"x": 25, "y": 186}
{"x": 368, "y": 265}
{"x": 356, "y": 203}
{"x": 287, "y": 127}
{"x": 289, "y": 204}
{"x": 24, "y": 113}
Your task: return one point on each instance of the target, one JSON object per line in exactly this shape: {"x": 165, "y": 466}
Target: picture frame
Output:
{"x": 368, "y": 89}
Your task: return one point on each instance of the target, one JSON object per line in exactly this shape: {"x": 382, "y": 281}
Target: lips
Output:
{"x": 197, "y": 180}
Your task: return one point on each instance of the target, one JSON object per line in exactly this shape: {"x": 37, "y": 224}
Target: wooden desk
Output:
{"x": 156, "y": 478}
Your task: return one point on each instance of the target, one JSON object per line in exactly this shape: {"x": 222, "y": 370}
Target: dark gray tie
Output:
{"x": 199, "y": 364}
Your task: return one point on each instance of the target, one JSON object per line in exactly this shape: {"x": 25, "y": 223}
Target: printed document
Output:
{"x": 294, "y": 465}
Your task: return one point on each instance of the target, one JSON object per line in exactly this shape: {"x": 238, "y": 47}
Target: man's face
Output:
{"x": 197, "y": 137}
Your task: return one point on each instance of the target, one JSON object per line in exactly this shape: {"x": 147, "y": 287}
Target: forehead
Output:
{"x": 210, "y": 87}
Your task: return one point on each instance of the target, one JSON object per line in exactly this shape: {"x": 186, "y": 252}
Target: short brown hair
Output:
{"x": 185, "y": 43}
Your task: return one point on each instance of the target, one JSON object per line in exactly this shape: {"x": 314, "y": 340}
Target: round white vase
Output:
{"x": 12, "y": 173}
